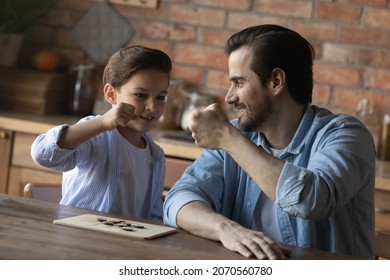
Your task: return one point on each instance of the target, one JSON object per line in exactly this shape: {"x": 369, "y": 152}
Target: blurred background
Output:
{"x": 351, "y": 39}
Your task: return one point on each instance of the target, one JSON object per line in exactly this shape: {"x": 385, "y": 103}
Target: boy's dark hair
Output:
{"x": 128, "y": 60}
{"x": 273, "y": 47}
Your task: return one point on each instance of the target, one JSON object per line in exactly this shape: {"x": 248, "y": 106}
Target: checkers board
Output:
{"x": 116, "y": 226}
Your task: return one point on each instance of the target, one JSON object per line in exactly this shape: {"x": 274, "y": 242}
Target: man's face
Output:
{"x": 252, "y": 99}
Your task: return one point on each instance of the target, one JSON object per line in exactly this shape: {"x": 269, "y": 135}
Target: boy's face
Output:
{"x": 146, "y": 90}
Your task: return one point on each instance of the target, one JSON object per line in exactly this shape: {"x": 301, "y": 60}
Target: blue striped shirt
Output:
{"x": 91, "y": 171}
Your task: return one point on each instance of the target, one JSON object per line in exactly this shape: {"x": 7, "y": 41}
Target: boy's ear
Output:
{"x": 109, "y": 93}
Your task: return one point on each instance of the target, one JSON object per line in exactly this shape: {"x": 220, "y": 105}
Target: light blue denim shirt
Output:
{"x": 324, "y": 195}
{"x": 91, "y": 171}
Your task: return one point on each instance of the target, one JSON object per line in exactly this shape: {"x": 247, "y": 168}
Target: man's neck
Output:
{"x": 281, "y": 129}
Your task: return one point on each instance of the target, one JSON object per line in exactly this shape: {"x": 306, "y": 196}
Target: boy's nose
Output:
{"x": 150, "y": 105}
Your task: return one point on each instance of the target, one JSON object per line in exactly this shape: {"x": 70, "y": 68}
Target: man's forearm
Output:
{"x": 262, "y": 167}
{"x": 199, "y": 219}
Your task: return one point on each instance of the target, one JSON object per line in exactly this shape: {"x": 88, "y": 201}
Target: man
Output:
{"x": 285, "y": 171}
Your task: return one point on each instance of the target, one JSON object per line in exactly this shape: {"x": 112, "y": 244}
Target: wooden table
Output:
{"x": 27, "y": 232}
{"x": 382, "y": 243}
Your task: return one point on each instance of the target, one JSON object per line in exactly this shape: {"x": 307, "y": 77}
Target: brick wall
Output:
{"x": 351, "y": 39}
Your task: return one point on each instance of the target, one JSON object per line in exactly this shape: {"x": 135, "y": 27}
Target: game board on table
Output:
{"x": 116, "y": 226}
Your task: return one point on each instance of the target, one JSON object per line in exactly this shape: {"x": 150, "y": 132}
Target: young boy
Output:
{"x": 110, "y": 162}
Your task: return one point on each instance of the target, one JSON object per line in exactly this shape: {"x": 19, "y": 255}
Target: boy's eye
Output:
{"x": 161, "y": 97}
{"x": 140, "y": 95}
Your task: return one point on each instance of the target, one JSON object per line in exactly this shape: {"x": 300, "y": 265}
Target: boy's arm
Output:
{"x": 73, "y": 136}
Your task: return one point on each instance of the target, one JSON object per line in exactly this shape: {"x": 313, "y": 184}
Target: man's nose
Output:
{"x": 231, "y": 96}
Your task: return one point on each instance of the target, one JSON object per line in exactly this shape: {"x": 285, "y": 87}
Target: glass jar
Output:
{"x": 383, "y": 152}
{"x": 174, "y": 104}
{"x": 84, "y": 90}
{"x": 195, "y": 101}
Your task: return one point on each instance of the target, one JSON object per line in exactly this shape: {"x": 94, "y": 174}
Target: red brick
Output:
{"x": 214, "y": 37}
{"x": 290, "y": 8}
{"x": 201, "y": 56}
{"x": 335, "y": 53}
{"x": 188, "y": 74}
{"x": 218, "y": 79}
{"x": 172, "y": 32}
{"x": 336, "y": 12}
{"x": 365, "y": 2}
{"x": 378, "y": 79}
{"x": 348, "y": 99}
{"x": 377, "y": 17}
{"x": 144, "y": 13}
{"x": 380, "y": 100}
{"x": 196, "y": 15}
{"x": 317, "y": 46}
{"x": 365, "y": 37}
{"x": 337, "y": 75}
{"x": 165, "y": 46}
{"x": 226, "y": 4}
{"x": 315, "y": 30}
{"x": 239, "y": 20}
{"x": 370, "y": 57}
{"x": 321, "y": 95}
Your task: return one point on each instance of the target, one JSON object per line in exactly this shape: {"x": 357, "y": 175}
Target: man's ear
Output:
{"x": 109, "y": 93}
{"x": 278, "y": 79}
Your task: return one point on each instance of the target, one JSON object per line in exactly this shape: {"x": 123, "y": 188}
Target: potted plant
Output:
{"x": 15, "y": 17}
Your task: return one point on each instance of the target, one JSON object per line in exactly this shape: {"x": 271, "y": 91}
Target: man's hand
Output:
{"x": 250, "y": 243}
{"x": 210, "y": 128}
{"x": 119, "y": 115}
{"x": 201, "y": 220}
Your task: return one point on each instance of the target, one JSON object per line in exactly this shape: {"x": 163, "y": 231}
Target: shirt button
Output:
{"x": 249, "y": 205}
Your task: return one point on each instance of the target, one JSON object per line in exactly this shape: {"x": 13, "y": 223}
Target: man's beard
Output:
{"x": 255, "y": 116}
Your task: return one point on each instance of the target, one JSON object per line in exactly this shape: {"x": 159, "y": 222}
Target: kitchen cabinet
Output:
{"x": 23, "y": 169}
{"x": 5, "y": 155}
{"x": 18, "y": 131}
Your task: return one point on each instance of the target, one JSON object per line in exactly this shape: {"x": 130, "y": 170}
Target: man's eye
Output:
{"x": 238, "y": 84}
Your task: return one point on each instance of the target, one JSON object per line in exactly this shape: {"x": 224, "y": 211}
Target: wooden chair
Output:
{"x": 45, "y": 192}
{"x": 382, "y": 244}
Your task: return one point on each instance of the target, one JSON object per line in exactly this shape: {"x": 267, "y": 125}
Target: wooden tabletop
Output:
{"x": 27, "y": 232}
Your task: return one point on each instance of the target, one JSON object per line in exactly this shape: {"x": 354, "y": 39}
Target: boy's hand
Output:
{"x": 119, "y": 115}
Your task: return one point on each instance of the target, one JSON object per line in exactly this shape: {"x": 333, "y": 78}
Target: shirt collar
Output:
{"x": 298, "y": 141}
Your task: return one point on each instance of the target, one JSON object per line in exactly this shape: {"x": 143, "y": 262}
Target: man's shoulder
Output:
{"x": 325, "y": 116}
